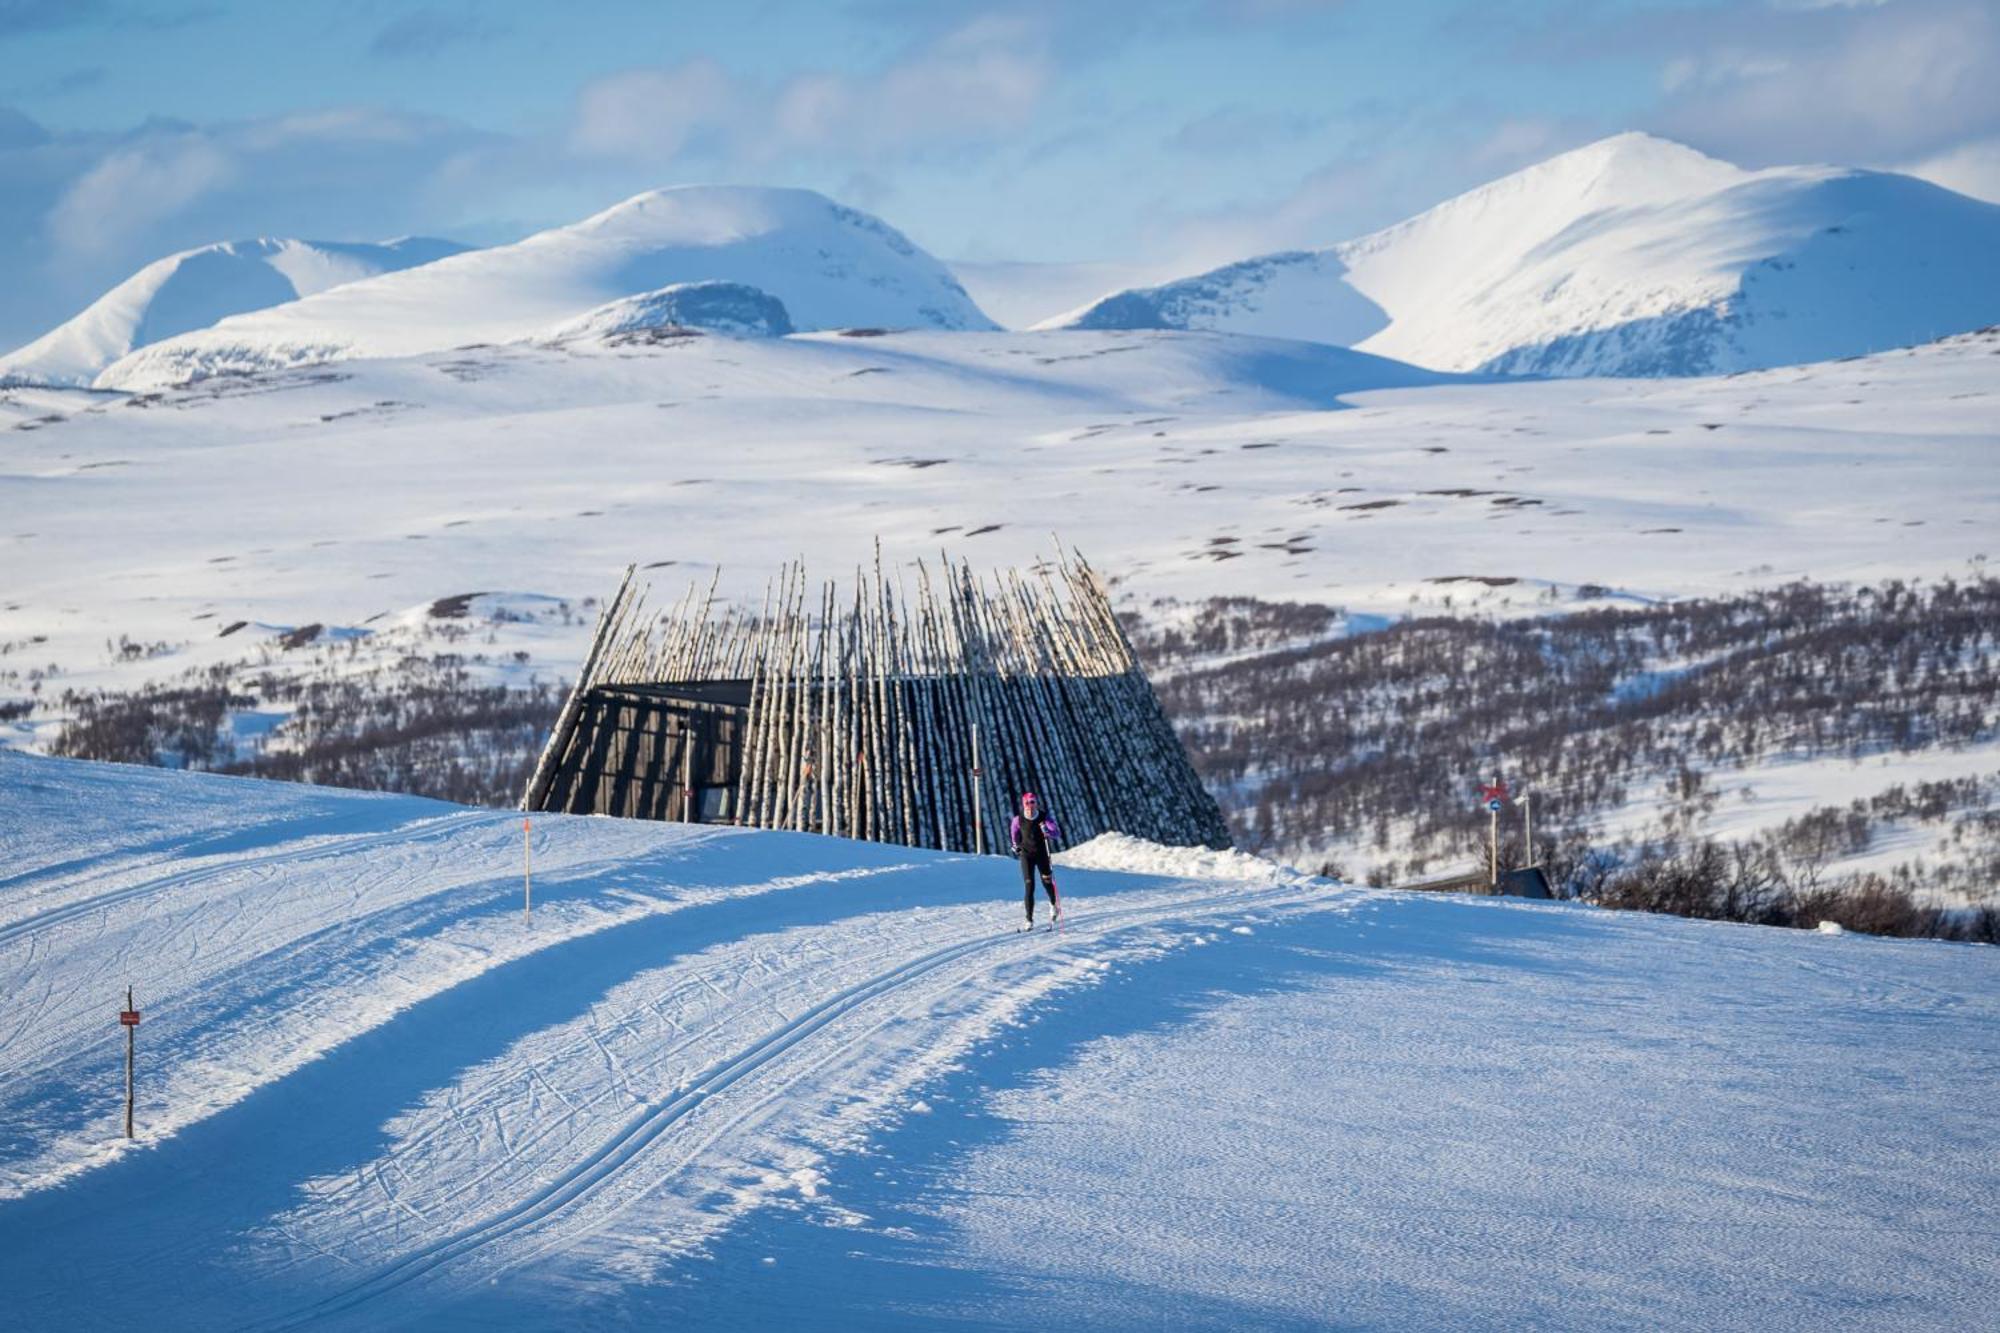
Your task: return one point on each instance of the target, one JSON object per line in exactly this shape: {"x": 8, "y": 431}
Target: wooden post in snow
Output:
{"x": 1528, "y": 822}
{"x": 527, "y": 876}
{"x": 1493, "y": 847}
{"x": 978, "y": 815}
{"x": 130, "y": 1019}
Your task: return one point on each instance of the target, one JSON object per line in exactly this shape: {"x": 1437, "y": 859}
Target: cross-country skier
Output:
{"x": 1034, "y": 833}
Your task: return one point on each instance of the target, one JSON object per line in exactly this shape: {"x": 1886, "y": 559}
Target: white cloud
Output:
{"x": 977, "y": 83}
{"x": 1972, "y": 168}
{"x": 134, "y": 189}
{"x": 651, "y": 114}
{"x": 1841, "y": 84}
{"x": 83, "y": 209}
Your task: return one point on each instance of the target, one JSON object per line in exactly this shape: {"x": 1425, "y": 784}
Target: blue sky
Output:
{"x": 1180, "y": 133}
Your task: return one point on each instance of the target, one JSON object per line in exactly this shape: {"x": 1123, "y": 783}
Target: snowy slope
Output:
{"x": 1631, "y": 256}
{"x": 197, "y": 288}
{"x": 730, "y": 1078}
{"x": 829, "y": 265}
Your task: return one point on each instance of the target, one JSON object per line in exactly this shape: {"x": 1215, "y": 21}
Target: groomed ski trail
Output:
{"x": 793, "y": 1067}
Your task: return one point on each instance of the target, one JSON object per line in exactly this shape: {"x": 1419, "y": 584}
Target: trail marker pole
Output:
{"x": 1495, "y": 796}
{"x": 1528, "y": 821}
{"x": 689, "y": 815}
{"x": 130, "y": 1018}
{"x": 527, "y": 876}
{"x": 978, "y": 815}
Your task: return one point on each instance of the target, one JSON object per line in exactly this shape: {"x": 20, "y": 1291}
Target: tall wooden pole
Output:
{"x": 1528, "y": 819}
{"x": 527, "y": 876}
{"x": 978, "y": 815}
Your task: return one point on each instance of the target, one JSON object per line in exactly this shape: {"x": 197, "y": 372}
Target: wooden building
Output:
{"x": 872, "y": 713}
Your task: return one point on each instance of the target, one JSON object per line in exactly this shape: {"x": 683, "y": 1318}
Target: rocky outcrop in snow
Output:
{"x": 735, "y": 309}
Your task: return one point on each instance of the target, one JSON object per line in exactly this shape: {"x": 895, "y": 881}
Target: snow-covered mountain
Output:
{"x": 196, "y": 288}
{"x": 829, "y": 265}
{"x": 1631, "y": 256}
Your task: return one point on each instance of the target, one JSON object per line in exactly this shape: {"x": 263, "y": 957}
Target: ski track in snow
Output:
{"x": 732, "y": 1077}
{"x": 780, "y": 1095}
{"x": 676, "y": 1080}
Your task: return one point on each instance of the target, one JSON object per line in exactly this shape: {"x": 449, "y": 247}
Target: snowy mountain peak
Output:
{"x": 197, "y": 288}
{"x": 717, "y": 215}
{"x": 1633, "y": 255}
{"x": 829, "y": 266}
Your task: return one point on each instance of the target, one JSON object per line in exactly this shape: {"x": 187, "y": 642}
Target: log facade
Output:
{"x": 876, "y": 711}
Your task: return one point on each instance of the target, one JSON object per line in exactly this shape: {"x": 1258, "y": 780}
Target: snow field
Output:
{"x": 1230, "y": 477}
{"x": 732, "y": 1076}
{"x": 696, "y": 1018}
{"x": 1464, "y": 1114}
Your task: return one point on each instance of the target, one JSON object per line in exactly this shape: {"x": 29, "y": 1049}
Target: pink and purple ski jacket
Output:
{"x": 1032, "y": 838}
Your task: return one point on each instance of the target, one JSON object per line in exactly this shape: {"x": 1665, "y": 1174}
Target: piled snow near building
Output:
{"x": 1631, "y": 256}
{"x": 1118, "y": 851}
{"x": 830, "y": 266}
{"x": 197, "y": 288}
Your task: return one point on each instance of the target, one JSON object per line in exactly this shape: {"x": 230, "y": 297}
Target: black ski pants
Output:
{"x": 1030, "y": 863}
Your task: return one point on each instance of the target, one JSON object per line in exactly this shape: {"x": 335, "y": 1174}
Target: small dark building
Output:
{"x": 653, "y": 751}
{"x": 872, "y": 715}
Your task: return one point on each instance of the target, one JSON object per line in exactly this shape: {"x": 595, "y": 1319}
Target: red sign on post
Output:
{"x": 129, "y": 1017}
{"x": 1496, "y": 792}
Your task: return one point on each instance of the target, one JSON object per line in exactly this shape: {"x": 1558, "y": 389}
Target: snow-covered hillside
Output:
{"x": 367, "y": 501}
{"x": 727, "y": 1078}
{"x": 197, "y": 288}
{"x": 1631, "y": 256}
{"x": 1184, "y": 465}
{"x": 830, "y": 266}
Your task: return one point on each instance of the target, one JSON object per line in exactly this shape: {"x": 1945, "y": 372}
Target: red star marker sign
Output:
{"x": 1496, "y": 792}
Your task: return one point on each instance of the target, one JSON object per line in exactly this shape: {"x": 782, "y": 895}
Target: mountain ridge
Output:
{"x": 828, "y": 264}
{"x": 1630, "y": 256}
{"x": 195, "y": 289}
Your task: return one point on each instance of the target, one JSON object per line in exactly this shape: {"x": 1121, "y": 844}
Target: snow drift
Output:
{"x": 830, "y": 266}
{"x": 196, "y": 288}
{"x": 1631, "y": 256}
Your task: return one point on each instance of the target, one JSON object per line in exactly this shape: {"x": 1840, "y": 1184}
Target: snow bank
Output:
{"x": 1119, "y": 851}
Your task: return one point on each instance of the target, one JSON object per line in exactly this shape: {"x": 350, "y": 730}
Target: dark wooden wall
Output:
{"x": 635, "y": 753}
